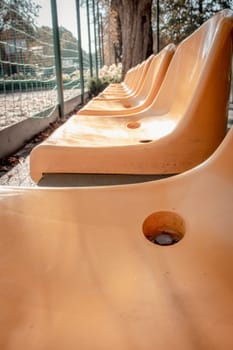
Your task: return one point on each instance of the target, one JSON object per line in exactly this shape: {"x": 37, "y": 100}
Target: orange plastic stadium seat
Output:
{"x": 130, "y": 76}
{"x": 130, "y": 81}
{"x": 145, "y": 96}
{"x": 127, "y": 84}
{"x": 183, "y": 126}
{"x": 124, "y": 83}
{"x": 80, "y": 270}
{"x": 135, "y": 87}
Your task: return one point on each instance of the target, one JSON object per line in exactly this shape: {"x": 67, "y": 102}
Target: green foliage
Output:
{"x": 107, "y": 75}
{"x": 96, "y": 85}
{"x": 17, "y": 13}
{"x": 180, "y": 18}
{"x": 111, "y": 74}
{"x": 68, "y": 44}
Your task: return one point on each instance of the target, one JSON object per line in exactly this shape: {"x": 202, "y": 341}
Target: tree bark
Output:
{"x": 201, "y": 11}
{"x": 136, "y": 30}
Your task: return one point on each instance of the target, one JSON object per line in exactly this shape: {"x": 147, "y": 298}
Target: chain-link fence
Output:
{"x": 31, "y": 61}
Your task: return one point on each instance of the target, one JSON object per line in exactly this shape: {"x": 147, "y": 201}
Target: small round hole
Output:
{"x": 164, "y": 228}
{"x": 145, "y": 141}
{"x": 126, "y": 105}
{"x": 133, "y": 125}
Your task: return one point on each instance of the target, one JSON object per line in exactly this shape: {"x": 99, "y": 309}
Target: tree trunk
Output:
{"x": 200, "y": 5}
{"x": 136, "y": 30}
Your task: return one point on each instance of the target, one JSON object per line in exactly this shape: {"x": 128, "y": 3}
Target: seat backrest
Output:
{"x": 142, "y": 71}
{"x": 135, "y": 77}
{"x": 128, "y": 76}
{"x": 196, "y": 86}
{"x": 221, "y": 161}
{"x": 155, "y": 74}
{"x": 132, "y": 76}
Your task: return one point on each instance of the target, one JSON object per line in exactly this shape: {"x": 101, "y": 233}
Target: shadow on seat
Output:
{"x": 183, "y": 126}
{"x": 145, "y": 96}
{"x": 79, "y": 268}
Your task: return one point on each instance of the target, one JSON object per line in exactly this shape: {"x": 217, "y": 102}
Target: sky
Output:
{"x": 66, "y": 17}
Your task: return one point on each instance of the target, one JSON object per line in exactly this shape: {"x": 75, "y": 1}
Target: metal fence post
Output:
{"x": 98, "y": 33}
{"x": 109, "y": 32}
{"x": 57, "y": 53}
{"x": 95, "y": 39}
{"x": 102, "y": 38}
{"x": 80, "y": 54}
{"x": 89, "y": 37}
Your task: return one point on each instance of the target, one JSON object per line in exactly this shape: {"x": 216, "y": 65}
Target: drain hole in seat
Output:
{"x": 145, "y": 141}
{"x": 133, "y": 125}
{"x": 164, "y": 228}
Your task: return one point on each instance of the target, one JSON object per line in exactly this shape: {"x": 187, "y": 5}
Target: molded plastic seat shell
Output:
{"x": 145, "y": 96}
{"x": 135, "y": 87}
{"x": 78, "y": 273}
{"x": 183, "y": 126}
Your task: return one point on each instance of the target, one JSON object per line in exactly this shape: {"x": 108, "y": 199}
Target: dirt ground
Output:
{"x": 19, "y": 106}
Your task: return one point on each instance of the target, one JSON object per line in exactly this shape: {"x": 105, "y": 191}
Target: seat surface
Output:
{"x": 78, "y": 272}
{"x": 183, "y": 126}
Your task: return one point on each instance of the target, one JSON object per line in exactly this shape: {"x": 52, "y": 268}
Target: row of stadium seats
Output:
{"x": 170, "y": 121}
{"x": 142, "y": 266}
